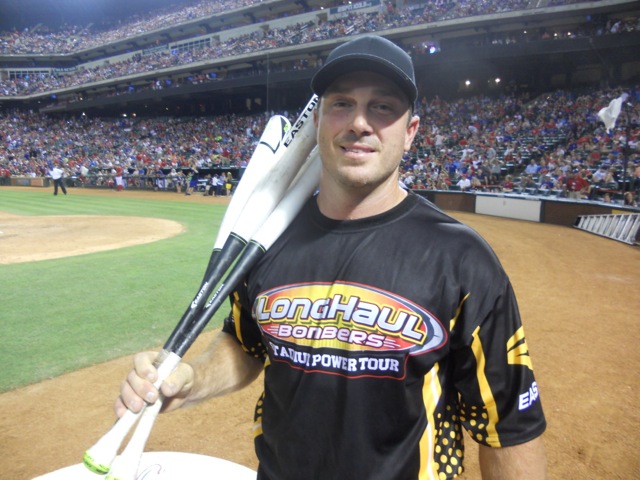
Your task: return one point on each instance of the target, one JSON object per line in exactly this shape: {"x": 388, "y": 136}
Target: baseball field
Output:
{"x": 90, "y": 278}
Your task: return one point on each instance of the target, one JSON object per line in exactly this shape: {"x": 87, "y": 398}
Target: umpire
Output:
{"x": 57, "y": 175}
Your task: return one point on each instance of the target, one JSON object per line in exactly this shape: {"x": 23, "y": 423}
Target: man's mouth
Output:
{"x": 358, "y": 150}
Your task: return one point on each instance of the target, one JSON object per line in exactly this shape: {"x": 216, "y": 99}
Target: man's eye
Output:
{"x": 383, "y": 108}
{"x": 340, "y": 104}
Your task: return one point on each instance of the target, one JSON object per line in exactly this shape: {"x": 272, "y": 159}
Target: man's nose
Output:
{"x": 360, "y": 123}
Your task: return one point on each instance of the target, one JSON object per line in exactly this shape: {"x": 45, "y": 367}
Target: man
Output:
{"x": 464, "y": 183}
{"x": 118, "y": 172}
{"x": 533, "y": 168}
{"x": 576, "y": 185}
{"x": 379, "y": 337}
{"x": 215, "y": 186}
{"x": 57, "y": 175}
{"x": 600, "y": 174}
{"x": 5, "y": 175}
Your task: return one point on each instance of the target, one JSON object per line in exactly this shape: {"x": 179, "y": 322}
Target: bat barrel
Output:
{"x": 266, "y": 154}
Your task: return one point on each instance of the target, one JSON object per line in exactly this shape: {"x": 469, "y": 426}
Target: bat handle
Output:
{"x": 126, "y": 465}
{"x": 100, "y": 456}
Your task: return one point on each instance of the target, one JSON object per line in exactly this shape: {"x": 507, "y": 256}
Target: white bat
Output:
{"x": 126, "y": 465}
{"x": 262, "y": 199}
{"x": 276, "y": 223}
{"x": 265, "y": 155}
{"x": 99, "y": 457}
{"x": 227, "y": 247}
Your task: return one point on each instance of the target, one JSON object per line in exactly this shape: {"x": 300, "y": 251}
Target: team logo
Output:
{"x": 518, "y": 350}
{"x": 347, "y": 317}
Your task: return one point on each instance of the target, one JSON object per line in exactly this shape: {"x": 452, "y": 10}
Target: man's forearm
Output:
{"x": 524, "y": 462}
{"x": 221, "y": 369}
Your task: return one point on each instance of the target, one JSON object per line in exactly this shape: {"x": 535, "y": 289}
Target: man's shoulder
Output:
{"x": 428, "y": 212}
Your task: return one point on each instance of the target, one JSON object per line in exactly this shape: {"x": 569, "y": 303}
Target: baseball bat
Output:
{"x": 126, "y": 465}
{"x": 272, "y": 228}
{"x": 228, "y": 246}
{"x": 99, "y": 457}
{"x": 262, "y": 160}
{"x": 261, "y": 201}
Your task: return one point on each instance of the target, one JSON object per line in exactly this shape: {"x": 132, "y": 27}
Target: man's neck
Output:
{"x": 353, "y": 204}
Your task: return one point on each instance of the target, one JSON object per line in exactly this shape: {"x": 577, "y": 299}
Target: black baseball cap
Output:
{"x": 369, "y": 53}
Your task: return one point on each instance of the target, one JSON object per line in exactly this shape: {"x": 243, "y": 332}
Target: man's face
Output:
{"x": 364, "y": 127}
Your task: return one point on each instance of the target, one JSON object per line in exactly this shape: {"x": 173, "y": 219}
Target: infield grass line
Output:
{"x": 64, "y": 314}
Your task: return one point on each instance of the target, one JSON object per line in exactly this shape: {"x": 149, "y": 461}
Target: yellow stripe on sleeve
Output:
{"x": 452, "y": 322}
{"x": 485, "y": 390}
{"x": 236, "y": 316}
{"x": 431, "y": 392}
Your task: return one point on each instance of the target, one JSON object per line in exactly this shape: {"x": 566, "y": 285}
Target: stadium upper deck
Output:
{"x": 257, "y": 55}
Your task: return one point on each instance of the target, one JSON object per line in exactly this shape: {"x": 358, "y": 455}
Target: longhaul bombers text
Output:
{"x": 355, "y": 329}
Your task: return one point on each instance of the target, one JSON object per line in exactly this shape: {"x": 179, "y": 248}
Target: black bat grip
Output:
{"x": 216, "y": 269}
{"x": 249, "y": 258}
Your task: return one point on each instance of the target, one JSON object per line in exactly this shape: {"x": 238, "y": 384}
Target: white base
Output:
{"x": 166, "y": 466}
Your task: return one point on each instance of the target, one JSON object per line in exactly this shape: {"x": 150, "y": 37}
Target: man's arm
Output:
{"x": 222, "y": 368}
{"x": 524, "y": 462}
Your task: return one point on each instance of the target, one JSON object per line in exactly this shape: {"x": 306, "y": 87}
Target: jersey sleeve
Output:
{"x": 499, "y": 403}
{"x": 241, "y": 325}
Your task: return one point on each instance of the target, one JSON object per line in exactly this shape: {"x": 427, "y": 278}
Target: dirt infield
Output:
{"x": 578, "y": 294}
{"x": 114, "y": 232}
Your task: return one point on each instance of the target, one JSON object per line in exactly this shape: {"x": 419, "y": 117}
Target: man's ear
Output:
{"x": 412, "y": 130}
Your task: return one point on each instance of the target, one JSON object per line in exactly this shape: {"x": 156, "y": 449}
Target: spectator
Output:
{"x": 630, "y": 199}
{"x": 464, "y": 183}
{"x": 192, "y": 179}
{"x": 575, "y": 185}
{"x": 533, "y": 168}
{"x": 546, "y": 184}
{"x": 507, "y": 185}
{"x": 5, "y": 175}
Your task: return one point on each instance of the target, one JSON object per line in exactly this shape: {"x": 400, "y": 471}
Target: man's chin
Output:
{"x": 360, "y": 183}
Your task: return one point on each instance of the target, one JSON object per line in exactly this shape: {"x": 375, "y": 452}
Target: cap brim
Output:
{"x": 362, "y": 62}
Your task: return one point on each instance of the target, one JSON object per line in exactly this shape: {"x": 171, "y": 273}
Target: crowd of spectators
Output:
{"x": 43, "y": 39}
{"x": 550, "y": 145}
{"x": 297, "y": 33}
{"x": 514, "y": 144}
{"x": 31, "y": 144}
{"x": 73, "y": 38}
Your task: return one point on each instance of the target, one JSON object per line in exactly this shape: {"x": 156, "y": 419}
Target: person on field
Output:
{"x": 384, "y": 327}
{"x": 57, "y": 175}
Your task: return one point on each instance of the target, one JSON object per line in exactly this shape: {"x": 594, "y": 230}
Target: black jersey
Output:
{"x": 382, "y": 338}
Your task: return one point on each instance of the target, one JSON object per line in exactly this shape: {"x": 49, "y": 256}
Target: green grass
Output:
{"x": 61, "y": 315}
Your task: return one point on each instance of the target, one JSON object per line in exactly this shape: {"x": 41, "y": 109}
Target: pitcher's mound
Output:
{"x": 28, "y": 239}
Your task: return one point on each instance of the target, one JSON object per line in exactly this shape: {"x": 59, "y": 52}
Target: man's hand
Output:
{"x": 138, "y": 387}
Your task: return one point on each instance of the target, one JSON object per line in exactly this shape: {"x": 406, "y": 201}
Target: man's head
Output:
{"x": 364, "y": 118}
{"x": 369, "y": 53}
